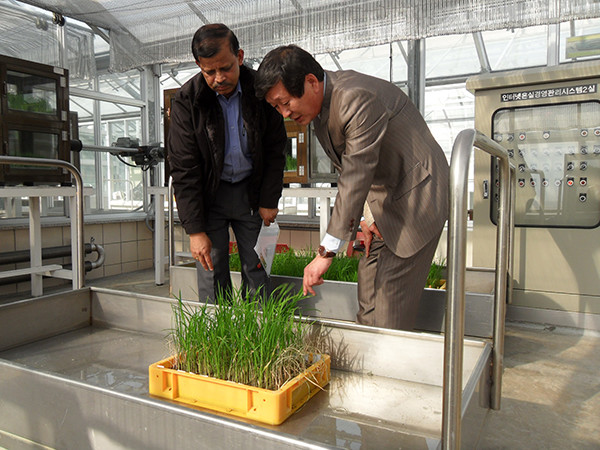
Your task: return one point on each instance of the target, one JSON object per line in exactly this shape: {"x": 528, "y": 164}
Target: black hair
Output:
{"x": 208, "y": 39}
{"x": 289, "y": 64}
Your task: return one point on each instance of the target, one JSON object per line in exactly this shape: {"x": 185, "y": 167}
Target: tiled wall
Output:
{"x": 128, "y": 246}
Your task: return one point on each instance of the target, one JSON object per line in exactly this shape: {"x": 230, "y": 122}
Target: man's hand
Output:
{"x": 268, "y": 215}
{"x": 313, "y": 273}
{"x": 200, "y": 246}
{"x": 368, "y": 232}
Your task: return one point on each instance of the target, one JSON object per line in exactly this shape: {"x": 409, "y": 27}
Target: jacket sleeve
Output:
{"x": 187, "y": 167}
{"x": 363, "y": 121}
{"x": 274, "y": 140}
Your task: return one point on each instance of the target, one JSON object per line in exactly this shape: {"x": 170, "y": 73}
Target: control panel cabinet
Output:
{"x": 549, "y": 121}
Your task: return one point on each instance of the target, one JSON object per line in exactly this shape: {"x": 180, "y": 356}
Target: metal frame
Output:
{"x": 78, "y": 272}
{"x": 457, "y": 231}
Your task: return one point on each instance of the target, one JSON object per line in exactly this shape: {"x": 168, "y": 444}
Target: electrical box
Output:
{"x": 549, "y": 121}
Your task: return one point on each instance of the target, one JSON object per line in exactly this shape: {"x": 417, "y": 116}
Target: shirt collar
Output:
{"x": 324, "y": 90}
{"x": 237, "y": 91}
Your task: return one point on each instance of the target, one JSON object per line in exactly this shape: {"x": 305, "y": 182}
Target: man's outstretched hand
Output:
{"x": 313, "y": 273}
{"x": 200, "y": 246}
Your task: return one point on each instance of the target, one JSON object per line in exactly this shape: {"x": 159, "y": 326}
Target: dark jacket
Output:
{"x": 196, "y": 148}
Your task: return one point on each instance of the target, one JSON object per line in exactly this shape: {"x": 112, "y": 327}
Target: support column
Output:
{"x": 416, "y": 73}
{"x": 35, "y": 245}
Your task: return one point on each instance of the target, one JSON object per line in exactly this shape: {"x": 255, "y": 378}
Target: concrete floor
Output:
{"x": 550, "y": 390}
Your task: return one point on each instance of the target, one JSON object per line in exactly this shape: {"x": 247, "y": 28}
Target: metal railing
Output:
{"x": 78, "y": 257}
{"x": 457, "y": 231}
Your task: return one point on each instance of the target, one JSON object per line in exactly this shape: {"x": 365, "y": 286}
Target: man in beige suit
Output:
{"x": 393, "y": 174}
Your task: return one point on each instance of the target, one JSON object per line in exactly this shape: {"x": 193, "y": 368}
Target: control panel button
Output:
{"x": 570, "y": 181}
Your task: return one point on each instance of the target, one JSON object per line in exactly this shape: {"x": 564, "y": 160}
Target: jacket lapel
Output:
{"x": 322, "y": 120}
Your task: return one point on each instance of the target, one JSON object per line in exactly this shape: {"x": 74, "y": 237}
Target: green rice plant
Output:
{"x": 245, "y": 338}
{"x": 343, "y": 268}
{"x": 292, "y": 264}
{"x": 291, "y": 163}
{"x": 235, "y": 264}
{"x": 437, "y": 275}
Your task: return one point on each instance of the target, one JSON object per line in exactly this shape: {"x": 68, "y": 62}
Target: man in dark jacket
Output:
{"x": 226, "y": 154}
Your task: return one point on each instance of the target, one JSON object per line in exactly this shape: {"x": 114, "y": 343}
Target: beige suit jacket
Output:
{"x": 386, "y": 155}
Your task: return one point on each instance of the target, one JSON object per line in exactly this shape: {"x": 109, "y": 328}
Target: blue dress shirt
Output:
{"x": 238, "y": 163}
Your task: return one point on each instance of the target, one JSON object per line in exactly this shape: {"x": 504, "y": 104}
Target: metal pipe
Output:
{"x": 95, "y": 264}
{"x": 79, "y": 268}
{"x": 19, "y": 256}
{"x": 170, "y": 231}
{"x": 502, "y": 258}
{"x": 457, "y": 232}
{"x": 103, "y": 148}
{"x": 511, "y": 235}
{"x": 55, "y": 252}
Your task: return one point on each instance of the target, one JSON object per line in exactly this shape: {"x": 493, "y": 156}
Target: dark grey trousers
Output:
{"x": 390, "y": 287}
{"x": 231, "y": 207}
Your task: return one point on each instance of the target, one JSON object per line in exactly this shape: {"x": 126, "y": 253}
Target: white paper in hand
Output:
{"x": 266, "y": 245}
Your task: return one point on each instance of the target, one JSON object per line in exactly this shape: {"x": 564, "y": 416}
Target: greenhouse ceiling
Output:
{"x": 144, "y": 32}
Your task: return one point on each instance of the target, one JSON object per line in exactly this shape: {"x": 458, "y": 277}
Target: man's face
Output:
{"x": 222, "y": 71}
{"x": 300, "y": 109}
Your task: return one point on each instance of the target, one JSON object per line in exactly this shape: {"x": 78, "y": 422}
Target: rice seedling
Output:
{"x": 436, "y": 277}
{"x": 244, "y": 338}
{"x": 343, "y": 268}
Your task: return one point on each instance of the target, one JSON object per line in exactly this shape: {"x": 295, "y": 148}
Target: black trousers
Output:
{"x": 231, "y": 207}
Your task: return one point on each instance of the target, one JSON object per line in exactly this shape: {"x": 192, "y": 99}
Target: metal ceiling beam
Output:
{"x": 297, "y": 5}
{"x": 336, "y": 60}
{"x": 197, "y": 11}
{"x": 484, "y": 61}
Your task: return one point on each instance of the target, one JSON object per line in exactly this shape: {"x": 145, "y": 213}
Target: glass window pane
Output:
{"x": 582, "y": 28}
{"x": 450, "y": 56}
{"x": 33, "y": 144}
{"x": 123, "y": 84}
{"x": 555, "y": 160}
{"x": 31, "y": 93}
{"x": 374, "y": 61}
{"x": 84, "y": 107}
{"x": 517, "y": 48}
{"x": 399, "y": 64}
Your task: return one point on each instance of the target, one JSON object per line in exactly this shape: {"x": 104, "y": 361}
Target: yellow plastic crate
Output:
{"x": 262, "y": 405}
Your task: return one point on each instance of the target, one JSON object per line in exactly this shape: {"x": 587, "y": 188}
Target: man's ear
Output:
{"x": 240, "y": 56}
{"x": 312, "y": 81}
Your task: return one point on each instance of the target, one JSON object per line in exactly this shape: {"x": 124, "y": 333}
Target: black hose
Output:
{"x": 47, "y": 253}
